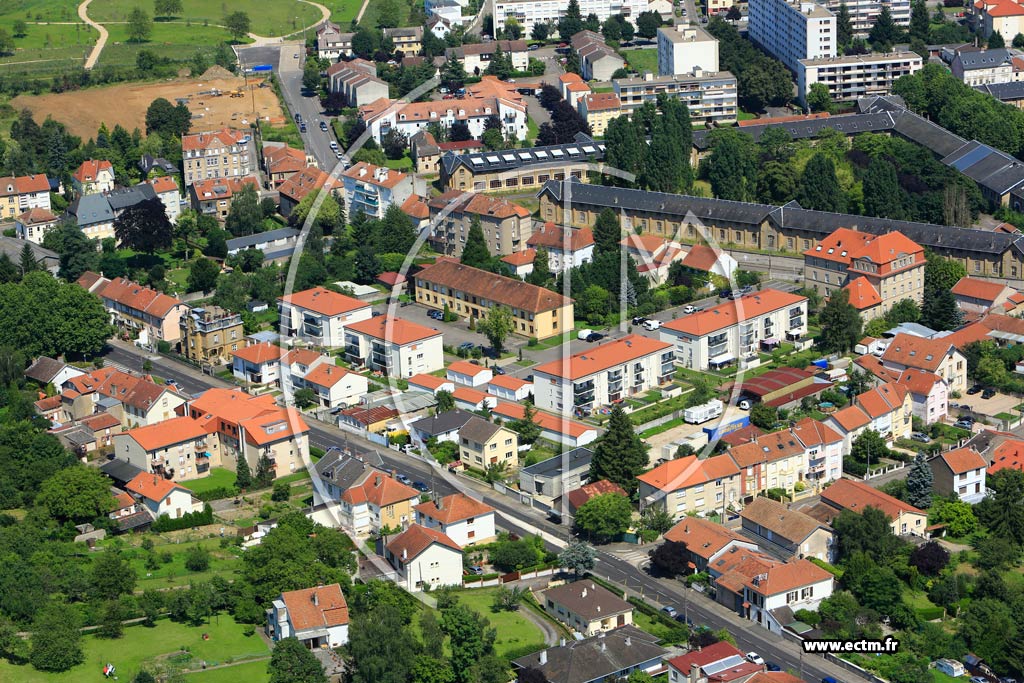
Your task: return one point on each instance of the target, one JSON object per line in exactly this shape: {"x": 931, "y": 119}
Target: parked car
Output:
{"x": 404, "y": 479}
{"x": 689, "y": 308}
{"x": 988, "y": 393}
{"x": 826, "y": 679}
{"x": 979, "y": 679}
{"x": 420, "y": 486}
{"x": 651, "y": 325}
{"x": 772, "y": 666}
{"x": 533, "y": 47}
{"x": 466, "y": 346}
{"x": 755, "y": 658}
{"x": 594, "y": 336}
{"x": 334, "y": 145}
{"x": 639, "y": 320}
{"x": 323, "y": 126}
{"x": 476, "y": 569}
{"x": 498, "y": 371}
{"x": 725, "y": 294}
{"x": 302, "y": 128}
{"x": 670, "y": 611}
{"x": 976, "y": 389}
{"x": 298, "y": 117}
{"x": 919, "y": 436}
{"x": 436, "y": 315}
{"x": 554, "y": 517}
{"x": 964, "y": 424}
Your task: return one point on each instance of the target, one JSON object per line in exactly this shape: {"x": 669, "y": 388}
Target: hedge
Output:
{"x": 604, "y": 584}
{"x": 186, "y": 521}
{"x": 834, "y": 571}
{"x": 217, "y": 493}
{"x": 929, "y": 613}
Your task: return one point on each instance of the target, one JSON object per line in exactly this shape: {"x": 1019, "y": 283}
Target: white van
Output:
{"x": 651, "y": 325}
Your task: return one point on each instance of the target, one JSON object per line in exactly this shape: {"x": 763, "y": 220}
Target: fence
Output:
{"x": 891, "y": 467}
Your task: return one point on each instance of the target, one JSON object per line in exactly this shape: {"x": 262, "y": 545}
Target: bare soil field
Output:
{"x": 83, "y": 111}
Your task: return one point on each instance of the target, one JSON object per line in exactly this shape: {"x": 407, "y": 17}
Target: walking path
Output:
{"x": 359, "y": 17}
{"x": 94, "y": 55}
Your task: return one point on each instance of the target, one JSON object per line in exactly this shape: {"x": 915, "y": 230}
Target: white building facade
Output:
{"x": 683, "y": 48}
{"x": 848, "y": 78}
{"x": 792, "y": 31}
{"x": 531, "y": 12}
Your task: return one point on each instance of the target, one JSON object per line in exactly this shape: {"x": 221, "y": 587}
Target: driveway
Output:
{"x": 1000, "y": 403}
{"x": 455, "y": 333}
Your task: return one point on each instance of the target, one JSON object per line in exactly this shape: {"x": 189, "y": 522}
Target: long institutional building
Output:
{"x": 531, "y": 12}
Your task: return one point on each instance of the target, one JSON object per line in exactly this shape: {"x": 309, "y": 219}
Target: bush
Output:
{"x": 197, "y": 559}
{"x": 163, "y": 346}
{"x": 186, "y": 521}
{"x": 929, "y": 613}
{"x": 282, "y": 491}
{"x": 217, "y": 493}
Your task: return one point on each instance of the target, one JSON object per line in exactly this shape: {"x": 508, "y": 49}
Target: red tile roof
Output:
{"x": 258, "y": 354}
{"x": 316, "y": 608}
{"x": 471, "y": 396}
{"x": 551, "y": 236}
{"x": 369, "y": 416}
{"x": 324, "y": 301}
{"x": 602, "y": 101}
{"x": 478, "y": 204}
{"x": 863, "y": 294}
{"x": 919, "y": 382}
{"x": 431, "y": 382}
{"x": 732, "y": 312}
{"x": 416, "y": 206}
{"x": 1008, "y": 454}
{"x": 273, "y": 426}
{"x": 789, "y": 576}
{"x": 508, "y": 382}
{"x": 153, "y": 487}
{"x": 167, "y": 433}
{"x": 25, "y": 184}
{"x": 464, "y": 367}
{"x": 847, "y": 494}
{"x": 701, "y": 257}
{"x": 962, "y": 460}
{"x": 138, "y": 297}
{"x": 579, "y": 497}
{"x": 394, "y": 330}
{"x": 302, "y": 357}
{"x": 689, "y": 471}
{"x": 164, "y": 183}
{"x": 413, "y": 541}
{"x": 225, "y": 137}
{"x": 974, "y": 288}
{"x": 591, "y": 361}
{"x": 703, "y": 537}
{"x": 375, "y": 175}
{"x": 284, "y": 159}
{"x": 712, "y": 654}
{"x": 308, "y": 180}
{"x": 222, "y": 188}
{"x": 90, "y": 170}
{"x": 547, "y": 421}
{"x": 917, "y": 352}
{"x": 511, "y": 292}
{"x": 36, "y": 215}
{"x": 814, "y": 433}
{"x": 454, "y": 508}
{"x": 520, "y": 258}
{"x": 326, "y": 375}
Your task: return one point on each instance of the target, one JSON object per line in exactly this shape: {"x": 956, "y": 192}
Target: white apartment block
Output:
{"x": 711, "y": 97}
{"x": 849, "y": 78}
{"x": 792, "y": 31}
{"x": 682, "y": 49}
{"x": 216, "y": 154}
{"x": 319, "y": 315}
{"x": 864, "y": 13}
{"x": 530, "y": 12}
{"x": 602, "y": 375}
{"x": 395, "y": 347}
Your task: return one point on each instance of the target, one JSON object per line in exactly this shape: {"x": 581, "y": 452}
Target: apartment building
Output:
{"x": 319, "y": 315}
{"x": 691, "y": 485}
{"x": 792, "y": 31}
{"x": 407, "y": 40}
{"x": 603, "y": 375}
{"x": 281, "y": 162}
{"x": 864, "y": 13}
{"x": 356, "y": 81}
{"x": 223, "y": 153}
{"x": 331, "y": 43}
{"x": 734, "y": 330}
{"x": 470, "y": 293}
{"x": 961, "y": 473}
{"x": 886, "y": 410}
{"x": 476, "y": 57}
{"x": 772, "y": 461}
{"x": 211, "y": 335}
{"x": 168, "y": 192}
{"x": 526, "y": 168}
{"x": 682, "y": 49}
{"x": 984, "y": 67}
{"x": 505, "y": 224}
{"x": 598, "y": 61}
{"x": 937, "y": 356}
{"x": 175, "y": 449}
{"x": 854, "y": 76}
{"x": 530, "y": 12}
{"x": 213, "y": 197}
{"x": 21, "y": 193}
{"x": 395, "y": 347}
{"x": 567, "y": 247}
{"x": 372, "y": 189}
{"x": 411, "y": 117}
{"x": 710, "y": 96}
{"x": 573, "y": 87}
{"x": 483, "y": 444}
{"x": 92, "y": 177}
{"x": 598, "y": 109}
{"x": 149, "y": 315}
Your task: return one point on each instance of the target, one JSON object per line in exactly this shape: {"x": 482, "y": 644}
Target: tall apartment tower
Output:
{"x": 792, "y": 31}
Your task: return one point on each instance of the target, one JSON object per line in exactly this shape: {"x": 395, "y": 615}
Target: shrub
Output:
{"x": 217, "y": 493}
{"x": 186, "y": 521}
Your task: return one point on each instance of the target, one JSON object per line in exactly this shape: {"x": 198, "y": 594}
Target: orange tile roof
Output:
{"x": 259, "y": 354}
{"x": 461, "y": 110}
{"x": 647, "y": 243}
{"x": 703, "y": 537}
{"x": 570, "y": 77}
{"x": 882, "y": 400}
{"x": 883, "y": 249}
{"x": 552, "y": 423}
{"x": 409, "y": 544}
{"x": 167, "y": 433}
{"x": 468, "y": 395}
{"x": 394, "y": 330}
{"x": 602, "y": 101}
{"x": 978, "y": 289}
{"x": 520, "y": 258}
{"x": 49, "y": 403}
{"x": 122, "y": 500}
{"x": 961, "y": 460}
{"x": 766, "y": 448}
{"x": 432, "y": 382}
{"x": 368, "y": 173}
{"x": 273, "y": 425}
{"x": 851, "y": 418}
{"x": 26, "y": 184}
{"x": 917, "y": 352}
{"x": 153, "y": 487}
{"x": 303, "y": 357}
{"x": 230, "y": 405}
{"x": 511, "y": 292}
{"x": 814, "y": 433}
{"x": 976, "y": 331}
{"x": 689, "y": 471}
{"x": 90, "y": 170}
{"x": 853, "y": 495}
{"x": 701, "y": 257}
{"x": 225, "y": 137}
{"x": 284, "y": 159}
{"x": 416, "y": 207}
{"x": 600, "y": 358}
{"x": 36, "y": 215}
{"x": 316, "y": 608}
{"x": 711, "y": 654}
{"x": 464, "y": 367}
{"x": 551, "y": 236}
{"x": 479, "y": 204}
{"x": 324, "y": 301}
{"x": 583, "y": 494}
{"x": 863, "y": 294}
{"x": 919, "y": 382}
{"x": 380, "y": 490}
{"x": 840, "y": 245}
{"x": 508, "y": 382}
{"x": 454, "y": 508}
{"x": 99, "y": 421}
{"x": 164, "y": 183}
{"x": 326, "y": 375}
{"x": 577, "y": 87}
{"x": 222, "y": 188}
{"x": 733, "y": 312}
{"x": 138, "y": 297}
{"x": 138, "y": 392}
{"x": 309, "y": 179}
{"x": 1008, "y": 454}
{"x": 789, "y": 576}
{"x": 1006, "y": 9}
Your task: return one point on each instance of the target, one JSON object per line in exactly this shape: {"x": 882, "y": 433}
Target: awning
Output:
{"x": 722, "y": 360}
{"x": 770, "y": 341}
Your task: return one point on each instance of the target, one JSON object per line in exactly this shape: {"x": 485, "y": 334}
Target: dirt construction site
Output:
{"x": 216, "y": 99}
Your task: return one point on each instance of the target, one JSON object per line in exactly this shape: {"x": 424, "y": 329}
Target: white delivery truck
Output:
{"x": 583, "y": 334}
{"x": 651, "y": 325}
{"x": 702, "y": 413}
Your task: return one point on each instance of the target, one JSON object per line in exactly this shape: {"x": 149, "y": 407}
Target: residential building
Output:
{"x": 123, "y": 198}
{"x": 463, "y": 519}
{"x": 136, "y": 400}
{"x": 223, "y": 153}
{"x": 319, "y": 315}
{"x": 334, "y": 386}
{"x": 892, "y": 266}
{"x": 653, "y": 255}
{"x": 444, "y": 16}
{"x": 598, "y": 109}
{"x": 468, "y": 374}
{"x": 521, "y": 262}
{"x": 309, "y": 180}
{"x": 258, "y": 364}
{"x": 587, "y": 608}
{"x": 430, "y": 384}
{"x": 277, "y": 246}
{"x": 929, "y": 394}
{"x": 598, "y": 61}
{"x": 377, "y": 500}
{"x": 471, "y": 292}
{"x": 584, "y": 494}
{"x": 510, "y": 388}
{"x": 823, "y": 450}
{"x": 473, "y": 399}
{"x": 605, "y": 374}
{"x": 33, "y": 224}
{"x": 787, "y": 531}
{"x": 150, "y": 316}
{"x": 149, "y": 165}
{"x": 506, "y": 225}
{"x": 853, "y": 76}
{"x": 975, "y": 297}
{"x": 281, "y": 162}
{"x": 887, "y": 410}
{"x": 772, "y": 461}
{"x": 408, "y": 40}
{"x": 425, "y": 559}
{"x": 610, "y": 656}
{"x": 409, "y": 118}
{"x": 21, "y": 193}
{"x": 530, "y": 12}
{"x": 792, "y": 31}
{"x": 768, "y": 592}
{"x": 331, "y": 43}
{"x": 706, "y": 541}
{"x": 691, "y": 485}
{"x": 552, "y": 478}
{"x": 476, "y": 57}
{"x": 174, "y": 449}
{"x": 483, "y": 444}
{"x": 372, "y": 189}
{"x": 167, "y": 190}
{"x": 849, "y": 494}
{"x": 983, "y": 67}
{"x": 213, "y": 196}
{"x": 573, "y": 87}
{"x": 682, "y": 49}
{"x": 92, "y": 215}
{"x": 375, "y": 420}
{"x": 393, "y": 346}
{"x": 567, "y": 247}
{"x": 937, "y": 356}
{"x": 356, "y": 82}
{"x": 521, "y": 168}
{"x": 961, "y": 473}
{"x": 735, "y": 329}
{"x": 210, "y": 335}
{"x": 93, "y": 177}
{"x": 864, "y": 13}
{"x": 45, "y": 370}
{"x": 712, "y": 260}
{"x": 163, "y": 497}
{"x": 711, "y": 97}
{"x": 721, "y": 660}
{"x": 316, "y": 617}
{"x": 442, "y": 426}
{"x": 553, "y": 428}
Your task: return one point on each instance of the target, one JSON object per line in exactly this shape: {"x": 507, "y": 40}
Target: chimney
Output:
{"x": 694, "y": 673}
{"x": 544, "y": 656}
{"x": 584, "y": 594}
{"x": 599, "y": 609}
{"x": 405, "y": 554}
{"x": 629, "y": 641}
{"x": 316, "y": 599}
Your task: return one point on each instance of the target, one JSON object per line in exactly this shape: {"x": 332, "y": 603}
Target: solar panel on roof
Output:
{"x": 589, "y": 150}
{"x": 477, "y": 161}
{"x": 971, "y": 158}
{"x": 557, "y": 153}
{"x": 525, "y": 155}
{"x": 722, "y": 664}
{"x": 572, "y": 150}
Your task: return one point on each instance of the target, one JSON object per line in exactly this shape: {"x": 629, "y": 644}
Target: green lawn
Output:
{"x": 403, "y": 164}
{"x": 514, "y": 630}
{"x": 342, "y": 11}
{"x": 267, "y": 18}
{"x": 174, "y": 41}
{"x": 223, "y": 562}
{"x": 642, "y": 60}
{"x": 50, "y": 41}
{"x": 251, "y": 672}
{"x": 532, "y": 129}
{"x": 140, "y": 644}
{"x": 218, "y": 477}
{"x": 370, "y": 18}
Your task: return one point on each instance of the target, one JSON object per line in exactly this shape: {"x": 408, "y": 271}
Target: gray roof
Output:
{"x": 992, "y": 169}
{"x": 587, "y": 599}
{"x": 578, "y": 458}
{"x": 597, "y": 657}
{"x": 91, "y": 209}
{"x": 12, "y": 246}
{"x": 503, "y": 160}
{"x": 121, "y": 471}
{"x": 261, "y": 238}
{"x": 77, "y": 436}
{"x": 147, "y": 163}
{"x": 478, "y": 429}
{"x": 1004, "y": 92}
{"x": 44, "y": 369}
{"x": 445, "y": 422}
{"x": 983, "y": 59}
{"x": 928, "y": 134}
{"x": 801, "y": 130}
{"x": 339, "y": 469}
{"x": 125, "y": 197}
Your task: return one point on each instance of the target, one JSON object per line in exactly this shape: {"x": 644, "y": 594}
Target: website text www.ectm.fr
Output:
{"x": 886, "y": 646}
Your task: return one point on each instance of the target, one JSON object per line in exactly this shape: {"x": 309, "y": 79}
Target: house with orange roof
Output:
{"x": 221, "y": 153}
{"x": 473, "y": 399}
{"x": 720, "y": 662}
{"x": 521, "y": 262}
{"x": 602, "y": 375}
{"x": 705, "y": 259}
{"x": 579, "y": 497}
{"x": 257, "y": 364}
{"x": 394, "y": 346}
{"x": 706, "y": 541}
{"x": 377, "y": 500}
{"x": 148, "y": 315}
{"x": 887, "y": 409}
{"x": 431, "y": 384}
{"x": 776, "y": 460}
{"x": 175, "y": 449}
{"x": 975, "y": 297}
{"x": 213, "y": 196}
{"x": 463, "y": 519}
{"x": 555, "y": 428}
{"x": 33, "y": 224}
{"x": 374, "y": 420}
{"x": 653, "y": 255}
{"x": 162, "y": 496}
{"x": 864, "y": 298}
{"x": 425, "y": 559}
{"x": 334, "y": 386}
{"x": 598, "y": 109}
{"x": 734, "y": 330}
{"x": 93, "y": 177}
{"x": 317, "y": 617}
{"x": 510, "y": 388}
{"x": 959, "y": 472}
{"x": 18, "y": 194}
{"x": 507, "y": 226}
{"x": 417, "y": 209}
{"x": 573, "y": 88}
{"x": 929, "y": 394}
{"x": 168, "y": 192}
{"x": 136, "y": 401}
{"x": 567, "y": 247}
{"x": 691, "y": 485}
{"x": 939, "y": 356}
{"x": 281, "y": 161}
{"x": 853, "y": 495}
{"x": 1004, "y": 452}
{"x": 372, "y": 189}
{"x": 468, "y": 374}
{"x": 299, "y": 185}
{"x": 319, "y": 315}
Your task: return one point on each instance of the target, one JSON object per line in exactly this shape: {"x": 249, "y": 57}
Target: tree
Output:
{"x": 394, "y": 143}
{"x": 445, "y": 402}
{"x": 197, "y": 559}
{"x": 578, "y": 556}
{"x": 930, "y": 558}
{"x": 995, "y": 40}
{"x": 140, "y": 27}
{"x": 77, "y": 494}
{"x": 956, "y": 515}
{"x": 734, "y": 13}
{"x": 217, "y": 243}
{"x": 243, "y": 476}
{"x": 571, "y": 22}
{"x": 167, "y": 8}
{"x": 202, "y": 275}
{"x": 27, "y": 262}
{"x": 988, "y": 626}
{"x": 610, "y": 30}
{"x": 731, "y": 168}
{"x": 475, "y": 252}
{"x": 885, "y": 32}
{"x": 764, "y": 416}
{"x": 304, "y": 397}
{"x": 111, "y": 620}
{"x": 1018, "y": 41}
{"x": 497, "y": 326}
{"x": 238, "y": 25}
{"x": 620, "y": 455}
{"x": 841, "y": 324}
{"x": 819, "y": 98}
{"x": 920, "y": 23}
{"x": 311, "y": 76}
{"x": 143, "y": 677}
{"x": 647, "y": 24}
{"x": 144, "y": 227}
{"x": 1003, "y": 513}
{"x": 819, "y": 186}
{"x": 500, "y": 64}
{"x": 903, "y": 311}
{"x": 940, "y": 311}
{"x": 55, "y": 644}
{"x": 470, "y": 638}
{"x": 866, "y": 532}
{"x": 112, "y": 576}
{"x": 919, "y": 483}
{"x": 526, "y": 427}
{"x": 20, "y": 28}
{"x": 670, "y": 558}
{"x": 245, "y": 216}
{"x": 607, "y": 232}
{"x": 493, "y": 139}
{"x": 453, "y": 75}
{"x": 882, "y": 195}
{"x": 868, "y": 447}
{"x": 540, "y": 31}
{"x": 605, "y": 516}
{"x": 293, "y": 662}
{"x": 541, "y": 273}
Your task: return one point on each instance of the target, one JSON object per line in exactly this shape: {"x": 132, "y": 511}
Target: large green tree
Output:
{"x": 382, "y": 648}
{"x": 731, "y": 168}
{"x": 882, "y": 194}
{"x": 841, "y": 324}
{"x": 497, "y": 326}
{"x": 607, "y": 232}
{"x": 620, "y": 455}
{"x": 919, "y": 483}
{"x": 470, "y": 637}
{"x": 145, "y": 227}
{"x": 166, "y": 119}
{"x": 75, "y": 320}
{"x": 885, "y": 32}
{"x": 245, "y": 216}
{"x": 475, "y": 252}
{"x": 55, "y": 644}
{"x": 140, "y": 26}
{"x": 293, "y": 662}
{"x": 238, "y": 25}
{"x": 77, "y": 494}
{"x": 920, "y": 23}
{"x": 604, "y": 517}
{"x": 819, "y": 186}
{"x": 844, "y": 26}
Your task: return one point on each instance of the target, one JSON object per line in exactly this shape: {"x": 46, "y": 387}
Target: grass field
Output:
{"x": 514, "y": 630}
{"x": 223, "y": 562}
{"x": 641, "y": 60}
{"x": 140, "y": 644}
{"x": 173, "y": 41}
{"x": 267, "y": 18}
{"x": 370, "y": 18}
{"x": 251, "y": 672}
{"x": 218, "y": 478}
{"x": 342, "y": 11}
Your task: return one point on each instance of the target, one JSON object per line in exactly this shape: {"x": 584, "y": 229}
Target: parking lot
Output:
{"x": 1000, "y": 403}
{"x": 455, "y": 333}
